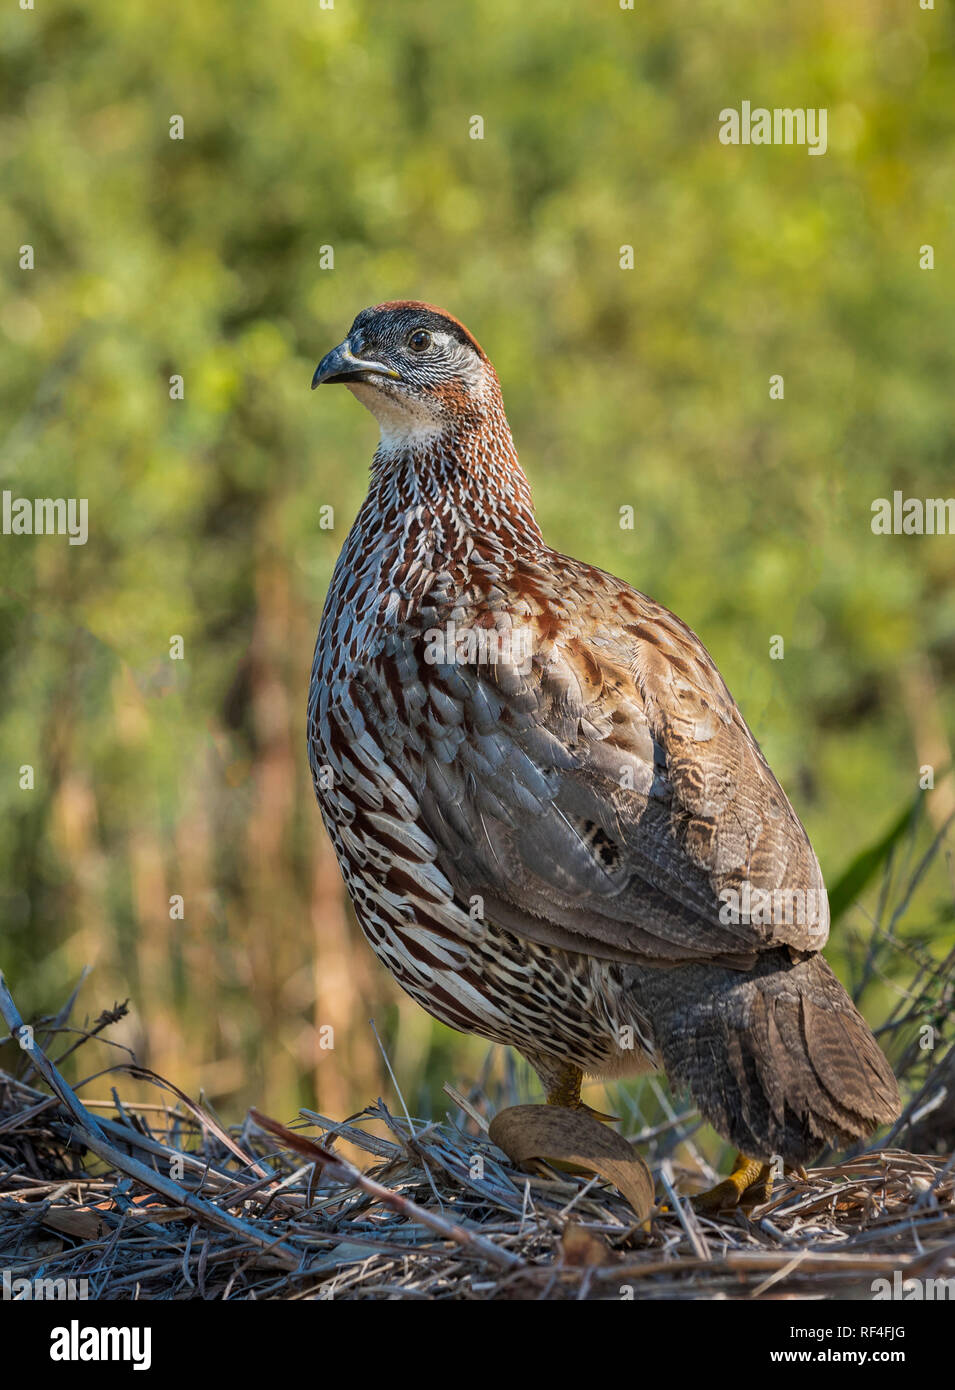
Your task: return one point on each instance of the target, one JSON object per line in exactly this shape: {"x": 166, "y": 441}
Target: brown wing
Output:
{"x": 606, "y": 795}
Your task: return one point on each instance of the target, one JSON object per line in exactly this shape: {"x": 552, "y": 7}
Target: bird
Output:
{"x": 555, "y": 826}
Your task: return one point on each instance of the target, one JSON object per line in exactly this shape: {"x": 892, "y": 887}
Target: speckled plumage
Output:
{"x": 540, "y": 790}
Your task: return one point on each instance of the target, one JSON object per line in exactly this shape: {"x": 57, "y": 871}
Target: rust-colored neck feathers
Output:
{"x": 465, "y": 472}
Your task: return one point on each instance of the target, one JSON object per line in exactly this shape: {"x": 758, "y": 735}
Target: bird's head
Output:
{"x": 416, "y": 368}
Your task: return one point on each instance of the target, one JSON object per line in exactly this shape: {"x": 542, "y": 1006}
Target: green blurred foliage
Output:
{"x": 348, "y": 127}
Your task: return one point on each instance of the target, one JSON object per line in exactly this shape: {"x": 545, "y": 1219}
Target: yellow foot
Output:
{"x": 751, "y": 1179}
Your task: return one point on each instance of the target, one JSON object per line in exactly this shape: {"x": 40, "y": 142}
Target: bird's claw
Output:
{"x": 750, "y": 1182}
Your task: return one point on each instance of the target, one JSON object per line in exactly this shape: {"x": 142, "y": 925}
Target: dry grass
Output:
{"x": 158, "y": 1200}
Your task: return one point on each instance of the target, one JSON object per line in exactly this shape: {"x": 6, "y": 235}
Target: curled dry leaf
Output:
{"x": 527, "y": 1132}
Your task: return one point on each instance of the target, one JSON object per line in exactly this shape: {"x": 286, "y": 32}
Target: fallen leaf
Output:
{"x": 81, "y": 1222}
{"x": 527, "y": 1132}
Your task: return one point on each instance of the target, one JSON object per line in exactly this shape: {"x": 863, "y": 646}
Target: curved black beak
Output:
{"x": 341, "y": 365}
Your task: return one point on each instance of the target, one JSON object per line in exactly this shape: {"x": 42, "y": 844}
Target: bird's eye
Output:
{"x": 420, "y": 340}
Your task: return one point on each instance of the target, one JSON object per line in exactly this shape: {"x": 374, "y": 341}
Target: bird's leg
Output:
{"x": 563, "y": 1086}
{"x": 561, "y": 1082}
{"x": 747, "y": 1174}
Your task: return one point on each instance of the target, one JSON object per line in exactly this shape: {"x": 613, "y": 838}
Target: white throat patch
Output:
{"x": 404, "y": 423}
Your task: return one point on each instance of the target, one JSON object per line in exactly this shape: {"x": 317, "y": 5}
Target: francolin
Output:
{"x": 554, "y": 823}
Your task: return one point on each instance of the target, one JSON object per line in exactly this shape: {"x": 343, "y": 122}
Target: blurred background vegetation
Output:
{"x": 307, "y": 127}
